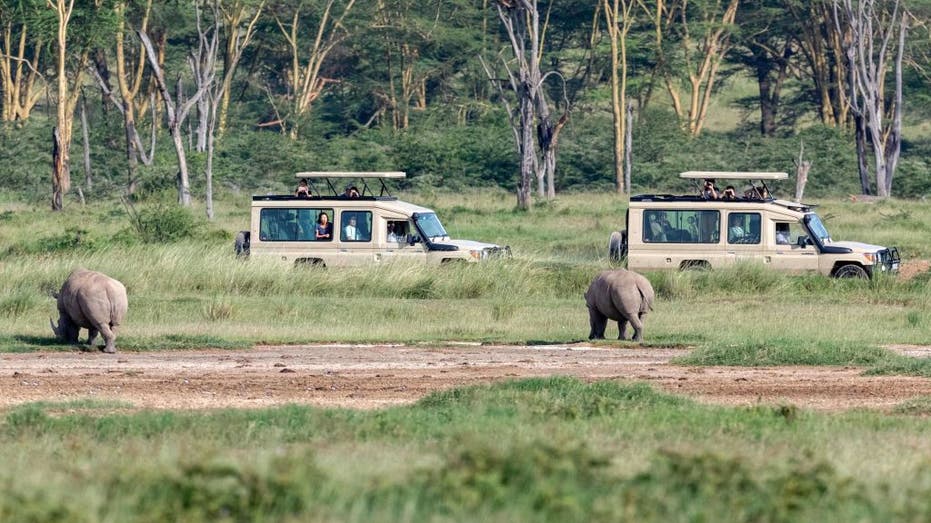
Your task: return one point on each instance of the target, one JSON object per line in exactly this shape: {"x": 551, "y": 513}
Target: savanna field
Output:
{"x": 557, "y": 448}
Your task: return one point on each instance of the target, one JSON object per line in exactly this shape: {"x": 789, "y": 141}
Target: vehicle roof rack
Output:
{"x": 327, "y": 176}
{"x": 734, "y": 175}
{"x": 351, "y": 174}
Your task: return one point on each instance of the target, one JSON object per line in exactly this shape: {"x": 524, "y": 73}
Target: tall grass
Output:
{"x": 194, "y": 290}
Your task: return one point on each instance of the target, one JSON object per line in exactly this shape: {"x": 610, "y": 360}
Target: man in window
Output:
{"x": 350, "y": 231}
{"x": 782, "y": 234}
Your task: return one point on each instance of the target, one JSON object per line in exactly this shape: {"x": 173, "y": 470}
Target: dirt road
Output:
{"x": 375, "y": 376}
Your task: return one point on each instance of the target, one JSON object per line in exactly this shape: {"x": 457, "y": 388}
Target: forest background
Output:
{"x": 244, "y": 93}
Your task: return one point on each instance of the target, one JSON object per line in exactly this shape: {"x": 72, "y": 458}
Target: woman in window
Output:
{"x": 323, "y": 229}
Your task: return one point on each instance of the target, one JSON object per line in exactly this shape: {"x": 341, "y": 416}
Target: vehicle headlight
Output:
{"x": 477, "y": 254}
{"x": 870, "y": 257}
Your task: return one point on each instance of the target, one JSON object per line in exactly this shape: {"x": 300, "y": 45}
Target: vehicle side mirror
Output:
{"x": 802, "y": 241}
{"x": 412, "y": 239}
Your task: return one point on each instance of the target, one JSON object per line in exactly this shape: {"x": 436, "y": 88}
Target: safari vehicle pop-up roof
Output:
{"x": 347, "y": 178}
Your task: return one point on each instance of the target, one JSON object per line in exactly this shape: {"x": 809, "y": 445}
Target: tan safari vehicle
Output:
{"x": 321, "y": 226}
{"x": 700, "y": 231}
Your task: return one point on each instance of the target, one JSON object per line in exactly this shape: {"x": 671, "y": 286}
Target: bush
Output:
{"x": 164, "y": 223}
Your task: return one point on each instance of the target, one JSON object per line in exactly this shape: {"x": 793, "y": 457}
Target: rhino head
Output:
{"x": 65, "y": 329}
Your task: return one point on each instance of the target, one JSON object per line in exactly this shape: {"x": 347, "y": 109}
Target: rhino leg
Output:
{"x": 91, "y": 335}
{"x": 636, "y": 322}
{"x": 622, "y": 329}
{"x": 109, "y": 337}
{"x": 598, "y": 323}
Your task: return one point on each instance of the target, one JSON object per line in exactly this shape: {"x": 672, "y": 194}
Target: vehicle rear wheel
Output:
{"x": 241, "y": 244}
{"x": 851, "y": 271}
{"x": 617, "y": 246}
{"x": 694, "y": 265}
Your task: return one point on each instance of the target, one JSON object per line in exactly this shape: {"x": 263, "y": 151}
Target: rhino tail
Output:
{"x": 646, "y": 295}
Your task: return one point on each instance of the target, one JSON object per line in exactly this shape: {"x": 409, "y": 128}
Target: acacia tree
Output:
{"x": 820, "y": 42}
{"x": 305, "y": 78}
{"x": 21, "y": 84}
{"x": 239, "y": 19}
{"x": 873, "y": 32}
{"x": 521, "y": 20}
{"x": 619, "y": 19}
{"x": 765, "y": 45}
{"x": 130, "y": 66}
{"x": 691, "y": 39}
{"x": 72, "y": 47}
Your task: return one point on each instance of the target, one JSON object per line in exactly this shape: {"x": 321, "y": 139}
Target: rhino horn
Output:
{"x": 56, "y": 329}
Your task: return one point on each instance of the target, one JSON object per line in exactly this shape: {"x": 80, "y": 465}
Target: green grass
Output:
{"x": 195, "y": 293}
{"x": 535, "y": 450}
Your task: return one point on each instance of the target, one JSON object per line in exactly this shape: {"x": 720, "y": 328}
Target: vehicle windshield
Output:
{"x": 430, "y": 225}
{"x": 817, "y": 228}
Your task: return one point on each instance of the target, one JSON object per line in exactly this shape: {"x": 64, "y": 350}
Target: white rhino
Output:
{"x": 619, "y": 295}
{"x": 93, "y": 301}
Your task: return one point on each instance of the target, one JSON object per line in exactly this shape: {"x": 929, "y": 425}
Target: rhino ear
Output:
{"x": 55, "y": 329}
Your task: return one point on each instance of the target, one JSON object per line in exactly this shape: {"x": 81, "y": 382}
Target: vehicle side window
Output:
{"x": 396, "y": 231}
{"x": 288, "y": 224}
{"x": 355, "y": 226}
{"x": 685, "y": 226}
{"x": 787, "y": 233}
{"x": 743, "y": 227}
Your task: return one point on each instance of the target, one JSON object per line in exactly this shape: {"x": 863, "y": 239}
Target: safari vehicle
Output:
{"x": 667, "y": 231}
{"x": 364, "y": 227}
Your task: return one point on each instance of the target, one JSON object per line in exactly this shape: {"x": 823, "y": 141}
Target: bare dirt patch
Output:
{"x": 383, "y": 375}
{"x": 911, "y": 268}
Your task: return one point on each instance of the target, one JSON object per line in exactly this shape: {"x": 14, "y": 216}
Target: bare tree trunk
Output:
{"x": 619, "y": 20}
{"x": 60, "y": 182}
{"x": 802, "y": 167}
{"x": 85, "y": 135}
{"x": 628, "y": 149}
{"x": 236, "y": 41}
{"x": 176, "y": 117}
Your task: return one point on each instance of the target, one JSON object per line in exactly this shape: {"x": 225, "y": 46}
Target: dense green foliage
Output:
{"x": 449, "y": 128}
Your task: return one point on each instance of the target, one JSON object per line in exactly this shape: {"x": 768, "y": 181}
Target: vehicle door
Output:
{"x": 395, "y": 235}
{"x": 743, "y": 237}
{"x": 354, "y": 237}
{"x": 783, "y": 251}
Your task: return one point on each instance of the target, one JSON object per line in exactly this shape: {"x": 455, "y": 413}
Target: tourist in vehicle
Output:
{"x": 735, "y": 230}
{"x": 709, "y": 191}
{"x": 392, "y": 235}
{"x": 729, "y": 193}
{"x": 692, "y": 228}
{"x": 351, "y": 191}
{"x": 657, "y": 233}
{"x": 350, "y": 231}
{"x": 782, "y": 234}
{"x": 302, "y": 191}
{"x": 324, "y": 229}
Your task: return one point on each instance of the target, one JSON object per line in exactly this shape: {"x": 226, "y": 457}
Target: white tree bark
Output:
{"x": 871, "y": 28}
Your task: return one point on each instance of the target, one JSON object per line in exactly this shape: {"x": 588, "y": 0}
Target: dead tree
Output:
{"x": 870, "y": 29}
{"x": 203, "y": 63}
{"x": 177, "y": 112}
{"x": 521, "y": 20}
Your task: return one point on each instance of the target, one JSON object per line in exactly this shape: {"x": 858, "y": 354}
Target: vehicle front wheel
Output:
{"x": 851, "y": 271}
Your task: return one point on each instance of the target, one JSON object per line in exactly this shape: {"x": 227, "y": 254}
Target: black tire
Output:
{"x": 851, "y": 270}
{"x": 617, "y": 246}
{"x": 695, "y": 265}
{"x": 310, "y": 262}
{"x": 241, "y": 244}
